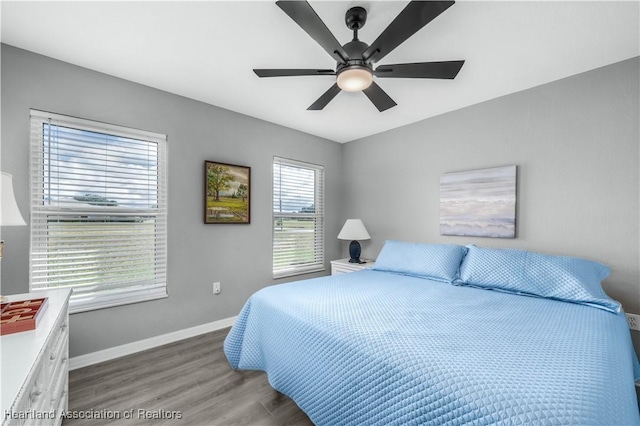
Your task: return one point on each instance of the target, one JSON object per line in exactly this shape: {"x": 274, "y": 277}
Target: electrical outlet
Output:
{"x": 216, "y": 288}
{"x": 634, "y": 321}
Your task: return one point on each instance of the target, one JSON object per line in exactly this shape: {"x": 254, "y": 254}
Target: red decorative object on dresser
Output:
{"x": 21, "y": 316}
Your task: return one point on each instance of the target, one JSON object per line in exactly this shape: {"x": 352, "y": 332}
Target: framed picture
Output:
{"x": 479, "y": 203}
{"x": 227, "y": 193}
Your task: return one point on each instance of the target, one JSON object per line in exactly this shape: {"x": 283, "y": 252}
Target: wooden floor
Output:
{"x": 191, "y": 377}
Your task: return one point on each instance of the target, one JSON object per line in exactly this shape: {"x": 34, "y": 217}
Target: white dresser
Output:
{"x": 35, "y": 365}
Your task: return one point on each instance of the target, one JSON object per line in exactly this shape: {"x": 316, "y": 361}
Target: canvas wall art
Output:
{"x": 227, "y": 193}
{"x": 479, "y": 203}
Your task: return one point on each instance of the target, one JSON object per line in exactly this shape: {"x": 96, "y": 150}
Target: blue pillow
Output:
{"x": 439, "y": 262}
{"x": 563, "y": 278}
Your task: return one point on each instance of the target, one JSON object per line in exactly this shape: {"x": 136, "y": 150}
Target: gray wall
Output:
{"x": 575, "y": 142}
{"x": 237, "y": 255}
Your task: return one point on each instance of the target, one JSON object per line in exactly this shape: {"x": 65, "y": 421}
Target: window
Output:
{"x": 298, "y": 218}
{"x": 98, "y": 211}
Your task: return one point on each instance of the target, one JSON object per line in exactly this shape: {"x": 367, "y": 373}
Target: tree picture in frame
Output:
{"x": 227, "y": 197}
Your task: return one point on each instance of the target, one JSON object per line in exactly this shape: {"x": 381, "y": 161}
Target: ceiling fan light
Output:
{"x": 354, "y": 79}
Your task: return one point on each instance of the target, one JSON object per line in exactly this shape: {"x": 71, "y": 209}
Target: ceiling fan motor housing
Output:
{"x": 355, "y": 49}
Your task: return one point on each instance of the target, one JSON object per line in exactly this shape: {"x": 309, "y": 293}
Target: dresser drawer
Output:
{"x": 33, "y": 398}
{"x": 59, "y": 369}
{"x": 36, "y": 393}
{"x": 58, "y": 346}
{"x": 58, "y": 398}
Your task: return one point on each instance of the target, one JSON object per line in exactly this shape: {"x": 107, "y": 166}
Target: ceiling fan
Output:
{"x": 354, "y": 71}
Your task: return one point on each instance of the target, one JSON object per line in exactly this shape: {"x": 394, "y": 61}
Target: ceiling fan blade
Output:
{"x": 379, "y": 97}
{"x": 291, "y": 72}
{"x": 307, "y": 18}
{"x": 445, "y": 69}
{"x": 325, "y": 98}
{"x": 416, "y": 15}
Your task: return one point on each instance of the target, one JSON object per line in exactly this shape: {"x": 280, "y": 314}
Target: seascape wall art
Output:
{"x": 479, "y": 203}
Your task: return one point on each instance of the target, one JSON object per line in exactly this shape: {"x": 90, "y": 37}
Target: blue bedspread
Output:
{"x": 374, "y": 347}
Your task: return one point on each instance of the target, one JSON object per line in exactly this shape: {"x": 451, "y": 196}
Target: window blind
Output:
{"x": 298, "y": 217}
{"x": 98, "y": 211}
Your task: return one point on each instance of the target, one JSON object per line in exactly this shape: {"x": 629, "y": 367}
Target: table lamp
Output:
{"x": 354, "y": 230}
{"x": 9, "y": 213}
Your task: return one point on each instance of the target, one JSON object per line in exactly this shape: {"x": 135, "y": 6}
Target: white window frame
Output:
{"x": 317, "y": 265}
{"x": 96, "y": 293}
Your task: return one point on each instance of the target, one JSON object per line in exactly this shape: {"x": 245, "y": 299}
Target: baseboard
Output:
{"x": 152, "y": 342}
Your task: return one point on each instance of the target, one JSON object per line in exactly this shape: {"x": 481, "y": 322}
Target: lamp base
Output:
{"x": 354, "y": 252}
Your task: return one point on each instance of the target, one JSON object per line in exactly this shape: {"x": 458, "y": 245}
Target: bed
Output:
{"x": 446, "y": 335}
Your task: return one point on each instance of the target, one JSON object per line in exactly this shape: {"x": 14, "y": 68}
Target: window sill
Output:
{"x": 287, "y": 274}
{"x": 85, "y": 306}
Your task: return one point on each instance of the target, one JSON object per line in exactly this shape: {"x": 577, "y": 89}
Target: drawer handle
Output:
{"x": 61, "y": 397}
{"x": 35, "y": 394}
{"x": 53, "y": 357}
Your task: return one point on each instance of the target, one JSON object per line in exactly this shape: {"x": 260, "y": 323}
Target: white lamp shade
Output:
{"x": 9, "y": 213}
{"x": 353, "y": 229}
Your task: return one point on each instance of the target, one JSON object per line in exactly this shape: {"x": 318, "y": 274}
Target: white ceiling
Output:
{"x": 206, "y": 50}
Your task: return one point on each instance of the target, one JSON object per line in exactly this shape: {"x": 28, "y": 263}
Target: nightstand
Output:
{"x": 342, "y": 266}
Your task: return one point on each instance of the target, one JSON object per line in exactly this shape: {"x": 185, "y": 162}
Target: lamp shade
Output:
{"x": 353, "y": 229}
{"x": 9, "y": 213}
{"x": 354, "y": 79}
